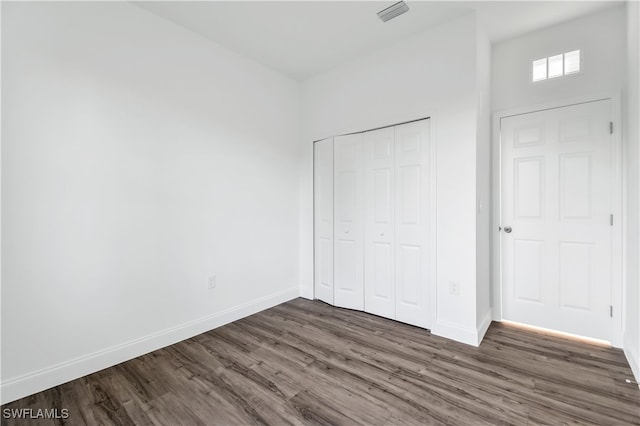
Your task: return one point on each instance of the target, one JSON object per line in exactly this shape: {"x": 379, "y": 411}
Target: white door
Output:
{"x": 348, "y": 222}
{"x": 323, "y": 219}
{"x": 556, "y": 205}
{"x": 379, "y": 208}
{"x": 412, "y": 222}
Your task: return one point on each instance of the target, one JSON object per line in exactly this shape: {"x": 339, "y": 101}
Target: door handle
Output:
{"x": 507, "y": 229}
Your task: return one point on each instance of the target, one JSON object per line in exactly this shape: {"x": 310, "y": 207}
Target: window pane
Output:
{"x": 540, "y": 69}
{"x": 572, "y": 62}
{"x": 555, "y": 66}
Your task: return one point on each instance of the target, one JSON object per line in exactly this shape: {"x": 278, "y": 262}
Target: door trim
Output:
{"x": 618, "y": 242}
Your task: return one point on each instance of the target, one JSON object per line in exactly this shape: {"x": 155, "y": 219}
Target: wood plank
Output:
{"x": 305, "y": 362}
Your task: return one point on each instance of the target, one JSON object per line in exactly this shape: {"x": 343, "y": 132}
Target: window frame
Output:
{"x": 560, "y": 77}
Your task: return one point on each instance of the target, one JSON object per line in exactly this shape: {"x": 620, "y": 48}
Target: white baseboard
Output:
{"x": 19, "y": 387}
{"x": 633, "y": 359}
{"x": 468, "y": 335}
{"x": 306, "y": 292}
{"x": 484, "y": 325}
{"x": 455, "y": 332}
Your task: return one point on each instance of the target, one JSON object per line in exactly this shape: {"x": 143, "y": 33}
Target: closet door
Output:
{"x": 323, "y": 219}
{"x": 412, "y": 218}
{"x": 379, "y": 222}
{"x": 348, "y": 222}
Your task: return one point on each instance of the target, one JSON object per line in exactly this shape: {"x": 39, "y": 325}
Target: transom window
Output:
{"x": 556, "y": 66}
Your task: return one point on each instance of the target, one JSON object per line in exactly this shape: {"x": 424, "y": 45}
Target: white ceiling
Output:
{"x": 302, "y": 39}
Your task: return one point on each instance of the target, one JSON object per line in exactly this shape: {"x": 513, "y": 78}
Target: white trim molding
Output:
{"x": 484, "y": 325}
{"x": 19, "y": 387}
{"x": 468, "y": 335}
{"x": 633, "y": 358}
{"x": 306, "y": 293}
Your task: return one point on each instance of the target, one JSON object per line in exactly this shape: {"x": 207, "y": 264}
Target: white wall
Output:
{"x": 137, "y": 160}
{"x": 631, "y": 338}
{"x": 600, "y": 38}
{"x": 431, "y": 74}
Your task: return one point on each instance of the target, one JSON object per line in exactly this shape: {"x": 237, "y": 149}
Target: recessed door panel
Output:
{"x": 575, "y": 129}
{"x": 575, "y": 186}
{"x": 409, "y": 187}
{"x": 531, "y": 134}
{"x": 576, "y": 274}
{"x": 346, "y": 256}
{"x": 325, "y": 265}
{"x": 346, "y": 187}
{"x": 409, "y": 283}
{"x": 382, "y": 203}
{"x": 382, "y": 144}
{"x": 529, "y": 187}
{"x": 383, "y": 269}
{"x": 527, "y": 266}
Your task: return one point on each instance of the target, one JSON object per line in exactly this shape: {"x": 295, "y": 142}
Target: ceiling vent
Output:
{"x": 392, "y": 11}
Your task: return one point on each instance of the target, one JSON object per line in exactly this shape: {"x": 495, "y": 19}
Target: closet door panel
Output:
{"x": 348, "y": 222}
{"x": 412, "y": 223}
{"x": 379, "y": 209}
{"x": 323, "y": 219}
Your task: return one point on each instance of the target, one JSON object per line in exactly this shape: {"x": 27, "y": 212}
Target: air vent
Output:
{"x": 392, "y": 11}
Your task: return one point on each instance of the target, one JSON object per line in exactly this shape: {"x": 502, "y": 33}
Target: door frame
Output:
{"x": 619, "y": 167}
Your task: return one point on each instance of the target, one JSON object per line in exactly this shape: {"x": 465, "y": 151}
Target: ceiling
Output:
{"x": 304, "y": 38}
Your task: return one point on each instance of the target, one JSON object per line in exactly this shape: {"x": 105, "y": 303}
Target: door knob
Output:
{"x": 507, "y": 229}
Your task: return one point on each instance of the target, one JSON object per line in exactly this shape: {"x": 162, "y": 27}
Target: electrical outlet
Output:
{"x": 211, "y": 282}
{"x": 454, "y": 288}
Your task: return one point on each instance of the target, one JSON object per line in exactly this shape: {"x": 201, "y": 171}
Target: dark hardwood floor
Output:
{"x": 305, "y": 362}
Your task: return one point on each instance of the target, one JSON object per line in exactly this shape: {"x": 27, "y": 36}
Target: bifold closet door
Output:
{"x": 323, "y": 219}
{"x": 379, "y": 208}
{"x": 413, "y": 212}
{"x": 372, "y": 209}
{"x": 348, "y": 222}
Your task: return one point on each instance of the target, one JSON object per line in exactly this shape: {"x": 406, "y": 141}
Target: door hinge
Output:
{"x": 611, "y": 311}
{"x": 611, "y": 127}
{"x": 611, "y": 219}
